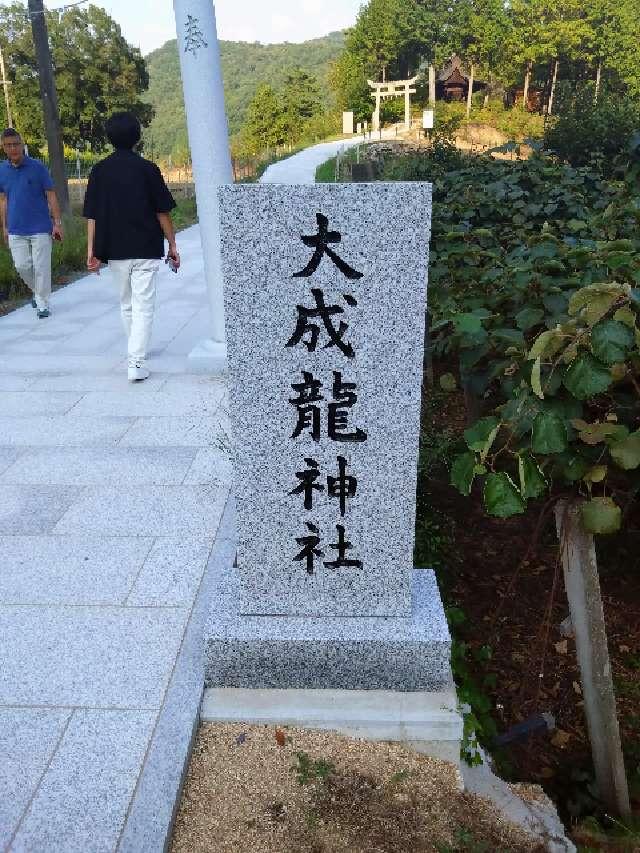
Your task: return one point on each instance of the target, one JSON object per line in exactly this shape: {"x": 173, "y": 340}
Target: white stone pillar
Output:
{"x": 209, "y": 143}
{"x": 375, "y": 118}
{"x": 407, "y": 105}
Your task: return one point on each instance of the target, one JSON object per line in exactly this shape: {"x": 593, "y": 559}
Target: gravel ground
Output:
{"x": 266, "y": 790}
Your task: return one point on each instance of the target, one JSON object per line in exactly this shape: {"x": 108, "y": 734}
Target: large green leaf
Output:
{"x": 626, "y": 453}
{"x": 532, "y": 481}
{"x": 448, "y": 382}
{"x": 573, "y": 467}
{"x": 501, "y": 497}
{"x": 549, "y": 434}
{"x": 587, "y": 377}
{"x": 529, "y": 317}
{"x": 595, "y": 300}
{"x": 536, "y": 383}
{"x": 467, "y": 324}
{"x": 547, "y": 344}
{"x": 601, "y": 515}
{"x": 463, "y": 471}
{"x": 509, "y": 336}
{"x": 611, "y": 340}
{"x": 481, "y": 432}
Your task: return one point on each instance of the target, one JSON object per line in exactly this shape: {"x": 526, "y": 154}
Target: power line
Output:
{"x": 60, "y": 9}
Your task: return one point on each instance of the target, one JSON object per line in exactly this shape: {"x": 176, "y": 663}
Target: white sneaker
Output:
{"x": 137, "y": 371}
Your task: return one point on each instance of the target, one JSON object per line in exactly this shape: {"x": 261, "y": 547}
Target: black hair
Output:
{"x": 9, "y": 132}
{"x": 123, "y": 130}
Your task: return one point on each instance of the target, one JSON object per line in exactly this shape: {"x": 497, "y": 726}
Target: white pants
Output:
{"x": 32, "y": 258}
{"x": 136, "y": 281}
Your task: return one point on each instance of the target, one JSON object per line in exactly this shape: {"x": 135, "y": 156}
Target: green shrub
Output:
{"x": 514, "y": 122}
{"x": 448, "y": 119}
{"x": 582, "y": 132}
{"x": 392, "y": 111}
{"x": 440, "y": 159}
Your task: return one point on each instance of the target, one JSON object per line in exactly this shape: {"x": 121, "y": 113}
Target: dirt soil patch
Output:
{"x": 505, "y": 576}
{"x": 265, "y": 790}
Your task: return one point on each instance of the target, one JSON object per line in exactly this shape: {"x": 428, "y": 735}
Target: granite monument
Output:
{"x": 325, "y": 290}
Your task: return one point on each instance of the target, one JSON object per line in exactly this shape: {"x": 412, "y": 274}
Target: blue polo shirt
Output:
{"x": 25, "y": 187}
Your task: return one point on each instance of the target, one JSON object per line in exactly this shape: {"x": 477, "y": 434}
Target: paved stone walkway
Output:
{"x": 301, "y": 167}
{"x": 111, "y": 495}
{"x": 112, "y": 512}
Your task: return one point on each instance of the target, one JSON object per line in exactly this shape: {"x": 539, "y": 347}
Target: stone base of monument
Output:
{"x": 428, "y": 722}
{"x": 381, "y": 678}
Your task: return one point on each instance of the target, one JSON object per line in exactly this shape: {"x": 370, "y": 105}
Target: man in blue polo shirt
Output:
{"x": 30, "y": 217}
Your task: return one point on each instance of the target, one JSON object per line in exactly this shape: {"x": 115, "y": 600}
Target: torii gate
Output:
{"x": 392, "y": 89}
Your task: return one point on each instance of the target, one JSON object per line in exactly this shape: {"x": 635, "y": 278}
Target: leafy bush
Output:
{"x": 543, "y": 313}
{"x": 516, "y": 123}
{"x": 448, "y": 119}
{"x": 392, "y": 111}
{"x": 534, "y": 287}
{"x": 582, "y": 132}
{"x": 441, "y": 159}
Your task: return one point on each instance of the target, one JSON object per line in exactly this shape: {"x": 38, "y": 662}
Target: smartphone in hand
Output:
{"x": 172, "y": 264}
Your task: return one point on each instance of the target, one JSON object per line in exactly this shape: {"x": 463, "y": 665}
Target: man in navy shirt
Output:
{"x": 30, "y": 217}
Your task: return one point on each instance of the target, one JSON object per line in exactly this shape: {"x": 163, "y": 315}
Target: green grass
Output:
{"x": 185, "y": 214}
{"x": 326, "y": 172}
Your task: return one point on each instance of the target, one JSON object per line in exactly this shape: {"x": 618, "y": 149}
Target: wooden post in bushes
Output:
{"x": 585, "y": 604}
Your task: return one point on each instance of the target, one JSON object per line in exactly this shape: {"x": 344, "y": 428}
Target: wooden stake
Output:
{"x": 585, "y": 603}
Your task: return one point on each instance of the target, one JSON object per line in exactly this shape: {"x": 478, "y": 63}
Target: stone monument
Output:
{"x": 325, "y": 291}
{"x": 347, "y": 123}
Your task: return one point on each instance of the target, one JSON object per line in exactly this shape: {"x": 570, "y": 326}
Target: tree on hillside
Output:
{"x": 381, "y": 39}
{"x": 301, "y": 98}
{"x": 431, "y": 29}
{"x": 266, "y": 122}
{"x": 348, "y": 79}
{"x": 480, "y": 36}
{"x": 96, "y": 71}
{"x": 615, "y": 46}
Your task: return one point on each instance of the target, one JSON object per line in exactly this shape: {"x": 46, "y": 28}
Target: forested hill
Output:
{"x": 244, "y": 66}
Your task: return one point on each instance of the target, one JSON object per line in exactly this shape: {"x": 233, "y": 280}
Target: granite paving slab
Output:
{"x": 151, "y": 811}
{"x": 132, "y": 466}
{"x": 109, "y": 657}
{"x": 28, "y": 346}
{"x": 82, "y": 801}
{"x": 171, "y": 573}
{"x": 151, "y": 511}
{"x": 22, "y": 403}
{"x": 210, "y": 466}
{"x": 55, "y": 361}
{"x": 177, "y": 432}
{"x": 187, "y": 402}
{"x": 8, "y": 456}
{"x": 33, "y": 509}
{"x": 28, "y": 739}
{"x": 85, "y": 383}
{"x": 80, "y": 570}
{"x": 65, "y": 431}
{"x": 8, "y": 382}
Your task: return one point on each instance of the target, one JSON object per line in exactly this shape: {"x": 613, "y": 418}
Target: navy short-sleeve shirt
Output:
{"x": 25, "y": 187}
{"x": 124, "y": 195}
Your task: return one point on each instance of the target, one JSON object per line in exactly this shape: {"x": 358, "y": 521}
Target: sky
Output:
{"x": 150, "y": 23}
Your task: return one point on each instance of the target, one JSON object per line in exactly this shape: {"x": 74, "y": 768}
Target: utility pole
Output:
{"x": 5, "y": 84}
{"x": 49, "y": 103}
